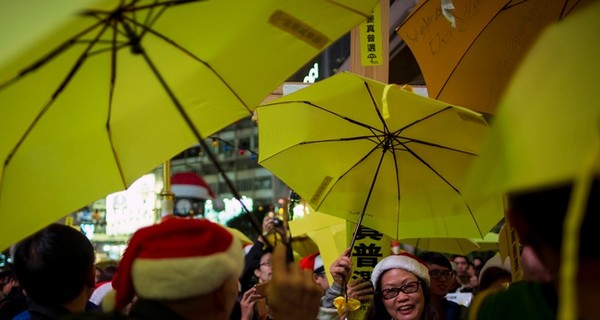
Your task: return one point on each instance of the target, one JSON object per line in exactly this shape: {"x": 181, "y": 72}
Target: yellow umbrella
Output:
{"x": 401, "y": 175}
{"x": 119, "y": 88}
{"x": 546, "y": 132}
{"x": 488, "y": 243}
{"x": 328, "y": 232}
{"x": 240, "y": 235}
{"x": 460, "y": 246}
{"x": 471, "y": 64}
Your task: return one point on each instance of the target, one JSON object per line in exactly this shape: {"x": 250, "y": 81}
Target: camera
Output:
{"x": 277, "y": 222}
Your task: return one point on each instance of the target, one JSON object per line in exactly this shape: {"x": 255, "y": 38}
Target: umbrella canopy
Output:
{"x": 328, "y": 232}
{"x": 460, "y": 246}
{"x": 557, "y": 110}
{"x": 488, "y": 243}
{"x": 554, "y": 107}
{"x": 398, "y": 170}
{"x": 122, "y": 86}
{"x": 240, "y": 235}
{"x": 471, "y": 64}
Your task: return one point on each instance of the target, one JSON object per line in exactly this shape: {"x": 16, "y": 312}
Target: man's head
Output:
{"x": 462, "y": 264}
{"x": 263, "y": 271}
{"x": 180, "y": 259}
{"x": 440, "y": 272}
{"x": 55, "y": 264}
{"x": 550, "y": 204}
{"x": 314, "y": 263}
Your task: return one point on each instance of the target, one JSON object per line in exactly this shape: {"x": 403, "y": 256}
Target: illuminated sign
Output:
{"x": 129, "y": 210}
{"x": 313, "y": 74}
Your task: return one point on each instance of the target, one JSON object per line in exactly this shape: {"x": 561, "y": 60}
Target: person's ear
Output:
{"x": 315, "y": 277}
{"x": 257, "y": 273}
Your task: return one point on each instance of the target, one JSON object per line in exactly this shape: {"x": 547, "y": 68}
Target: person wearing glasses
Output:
{"x": 441, "y": 274}
{"x": 402, "y": 290}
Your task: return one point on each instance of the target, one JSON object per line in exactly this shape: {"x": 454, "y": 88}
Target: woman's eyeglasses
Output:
{"x": 438, "y": 274}
{"x": 409, "y": 287}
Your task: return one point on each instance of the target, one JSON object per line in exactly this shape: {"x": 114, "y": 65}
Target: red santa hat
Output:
{"x": 176, "y": 259}
{"x": 312, "y": 262}
{"x": 404, "y": 261}
{"x": 190, "y": 185}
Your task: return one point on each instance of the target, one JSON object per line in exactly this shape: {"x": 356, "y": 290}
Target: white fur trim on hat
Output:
{"x": 190, "y": 185}
{"x": 190, "y": 191}
{"x": 404, "y": 261}
{"x": 318, "y": 263}
{"x": 177, "y": 278}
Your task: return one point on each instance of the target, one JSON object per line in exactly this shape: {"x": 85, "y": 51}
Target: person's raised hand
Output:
{"x": 340, "y": 268}
{"x": 360, "y": 289}
{"x": 247, "y": 303}
{"x": 292, "y": 293}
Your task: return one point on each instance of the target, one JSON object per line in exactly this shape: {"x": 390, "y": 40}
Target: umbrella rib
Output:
{"x": 362, "y": 214}
{"x": 414, "y": 154}
{"x": 397, "y": 191}
{"x": 200, "y": 139}
{"x": 61, "y": 86}
{"x": 418, "y": 121}
{"x": 347, "y": 171}
{"x": 326, "y": 141}
{"x": 385, "y": 127}
{"x": 409, "y": 140}
{"x": 187, "y": 52}
{"x": 308, "y": 103}
{"x": 51, "y": 55}
{"x": 113, "y": 79}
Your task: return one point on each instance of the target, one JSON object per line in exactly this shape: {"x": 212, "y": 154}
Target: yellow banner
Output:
{"x": 369, "y": 248}
{"x": 371, "y": 41}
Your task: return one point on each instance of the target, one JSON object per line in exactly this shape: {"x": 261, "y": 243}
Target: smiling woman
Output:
{"x": 402, "y": 290}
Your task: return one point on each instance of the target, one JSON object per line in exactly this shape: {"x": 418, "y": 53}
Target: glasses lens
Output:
{"x": 410, "y": 287}
{"x": 437, "y": 274}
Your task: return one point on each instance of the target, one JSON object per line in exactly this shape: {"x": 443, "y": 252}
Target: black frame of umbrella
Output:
{"x": 386, "y": 141}
{"x": 136, "y": 48}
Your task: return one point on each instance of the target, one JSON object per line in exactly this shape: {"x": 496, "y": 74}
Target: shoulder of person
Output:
{"x": 522, "y": 300}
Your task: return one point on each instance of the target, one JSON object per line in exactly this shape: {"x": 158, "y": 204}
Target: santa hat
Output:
{"x": 312, "y": 262}
{"x": 404, "y": 261}
{"x": 190, "y": 185}
{"x": 177, "y": 259}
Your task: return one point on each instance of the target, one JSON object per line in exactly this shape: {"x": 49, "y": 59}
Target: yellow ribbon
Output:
{"x": 342, "y": 305}
{"x": 384, "y": 99}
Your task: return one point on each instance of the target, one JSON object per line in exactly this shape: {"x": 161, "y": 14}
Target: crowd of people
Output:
{"x": 195, "y": 269}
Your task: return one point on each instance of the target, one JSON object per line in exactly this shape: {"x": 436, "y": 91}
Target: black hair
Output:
{"x": 435, "y": 258}
{"x": 544, "y": 211}
{"x": 55, "y": 264}
{"x": 251, "y": 263}
{"x": 491, "y": 275}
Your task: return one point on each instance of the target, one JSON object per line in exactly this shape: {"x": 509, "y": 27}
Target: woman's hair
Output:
{"x": 55, "y": 264}
{"x": 377, "y": 311}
